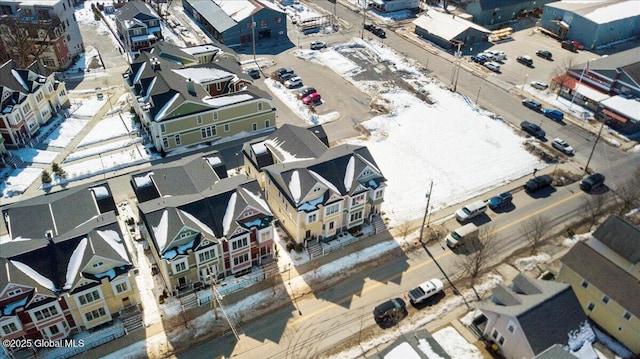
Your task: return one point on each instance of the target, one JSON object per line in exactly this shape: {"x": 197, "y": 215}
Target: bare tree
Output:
{"x": 534, "y": 230}
{"x": 404, "y": 229}
{"x": 25, "y": 41}
{"x": 561, "y": 72}
{"x": 628, "y": 193}
{"x": 593, "y": 208}
{"x": 480, "y": 254}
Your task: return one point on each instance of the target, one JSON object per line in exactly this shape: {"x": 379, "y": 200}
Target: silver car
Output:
{"x": 562, "y": 146}
{"x": 539, "y": 85}
{"x": 492, "y": 66}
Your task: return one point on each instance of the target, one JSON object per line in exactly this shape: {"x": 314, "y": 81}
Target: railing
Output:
{"x": 241, "y": 283}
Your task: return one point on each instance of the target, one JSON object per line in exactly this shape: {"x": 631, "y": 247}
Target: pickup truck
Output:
{"x": 425, "y": 290}
{"x": 537, "y": 183}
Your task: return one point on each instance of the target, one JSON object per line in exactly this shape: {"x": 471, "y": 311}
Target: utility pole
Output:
{"x": 364, "y": 16}
{"x": 586, "y": 168}
{"x": 478, "y": 95}
{"x": 456, "y": 70}
{"x": 424, "y": 245}
{"x": 253, "y": 37}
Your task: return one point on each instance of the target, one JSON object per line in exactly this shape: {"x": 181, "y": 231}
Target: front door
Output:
{"x": 182, "y": 282}
{"x": 126, "y": 302}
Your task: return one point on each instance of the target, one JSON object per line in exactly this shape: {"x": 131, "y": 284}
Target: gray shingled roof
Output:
{"x": 625, "y": 66}
{"x": 600, "y": 272}
{"x": 136, "y": 9}
{"x": 546, "y": 311}
{"x": 213, "y": 13}
{"x": 415, "y": 340}
{"x": 621, "y": 236}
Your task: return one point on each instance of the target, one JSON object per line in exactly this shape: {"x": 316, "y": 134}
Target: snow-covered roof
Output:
{"x": 221, "y": 101}
{"x": 237, "y": 9}
{"x": 203, "y": 75}
{"x": 161, "y": 232}
{"x": 143, "y": 37}
{"x": 630, "y": 108}
{"x": 294, "y": 186}
{"x": 42, "y": 280}
{"x": 74, "y": 263}
{"x": 446, "y": 26}
{"x": 113, "y": 239}
{"x": 143, "y": 180}
{"x": 229, "y": 214}
{"x": 600, "y": 12}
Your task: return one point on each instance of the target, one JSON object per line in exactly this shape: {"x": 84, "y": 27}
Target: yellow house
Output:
{"x": 604, "y": 272}
{"x": 181, "y": 102}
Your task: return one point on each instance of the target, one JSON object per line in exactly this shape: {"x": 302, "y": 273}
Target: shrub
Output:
{"x": 45, "y": 177}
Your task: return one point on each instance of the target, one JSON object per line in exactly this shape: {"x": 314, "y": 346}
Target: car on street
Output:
{"x": 554, "y": 114}
{"x": 593, "y": 181}
{"x": 496, "y": 55}
{"x": 312, "y": 98}
{"x": 481, "y": 59}
{"x": 254, "y": 73}
{"x": 577, "y": 44}
{"x": 425, "y": 290}
{"x": 306, "y": 92}
{"x": 390, "y": 312}
{"x": 317, "y": 45}
{"x": 492, "y": 66}
{"x": 369, "y": 27}
{"x": 532, "y": 129}
{"x": 562, "y": 146}
{"x": 295, "y": 81}
{"x": 568, "y": 45}
{"x": 544, "y": 54}
{"x": 532, "y": 104}
{"x": 501, "y": 200}
{"x": 538, "y": 183}
{"x": 379, "y": 32}
{"x": 539, "y": 85}
{"x": 525, "y": 60}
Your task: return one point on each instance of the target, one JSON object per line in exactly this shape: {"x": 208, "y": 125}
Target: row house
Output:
{"x": 316, "y": 191}
{"x": 51, "y": 24}
{"x": 29, "y": 100}
{"x": 182, "y": 105}
{"x": 202, "y": 224}
{"x": 138, "y": 26}
{"x": 67, "y": 271}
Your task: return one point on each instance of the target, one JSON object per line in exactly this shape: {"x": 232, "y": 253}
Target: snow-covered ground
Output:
{"x": 18, "y": 181}
{"x": 65, "y": 132}
{"x": 108, "y": 128}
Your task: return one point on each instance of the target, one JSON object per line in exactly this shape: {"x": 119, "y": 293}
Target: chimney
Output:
{"x": 191, "y": 87}
{"x": 49, "y": 236}
{"x": 155, "y": 64}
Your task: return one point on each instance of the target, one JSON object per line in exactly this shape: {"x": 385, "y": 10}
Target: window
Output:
{"x": 501, "y": 341}
{"x": 494, "y": 335}
{"x": 265, "y": 236}
{"x": 591, "y": 307}
{"x": 46, "y": 313}
{"x": 240, "y": 259}
{"x": 95, "y": 314}
{"x": 199, "y": 119}
{"x": 165, "y": 142}
{"x": 249, "y": 24}
{"x": 184, "y": 235}
{"x": 178, "y": 141}
{"x": 585, "y": 284}
{"x": 97, "y": 264}
{"x": 379, "y": 193}
{"x": 240, "y": 243}
{"x": 356, "y": 216}
{"x": 207, "y": 255}
{"x": 511, "y": 327}
{"x": 263, "y": 23}
{"x": 62, "y": 93}
{"x": 89, "y": 297}
{"x": 162, "y": 128}
{"x": 203, "y": 133}
{"x": 39, "y": 97}
{"x": 218, "y": 86}
{"x": 14, "y": 292}
{"x": 122, "y": 287}
{"x": 267, "y": 123}
{"x": 215, "y": 116}
{"x": 259, "y": 106}
{"x": 26, "y": 108}
{"x": 137, "y": 31}
{"x": 254, "y": 126}
{"x": 331, "y": 209}
{"x": 357, "y": 200}
{"x": 605, "y": 299}
{"x": 54, "y": 329}
{"x": 627, "y": 315}
{"x": 277, "y": 20}
{"x": 226, "y": 127}
{"x": 312, "y": 218}
{"x": 180, "y": 266}
{"x": 9, "y": 328}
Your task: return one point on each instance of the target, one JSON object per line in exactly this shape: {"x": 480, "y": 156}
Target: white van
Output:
{"x": 497, "y": 55}
{"x": 460, "y": 235}
{"x": 471, "y": 210}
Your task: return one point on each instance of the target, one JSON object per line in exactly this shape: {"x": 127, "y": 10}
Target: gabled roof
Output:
{"x": 621, "y": 236}
{"x": 492, "y": 4}
{"x": 226, "y": 14}
{"x": 600, "y": 12}
{"x": 16, "y": 84}
{"x": 614, "y": 281}
{"x": 623, "y": 66}
{"x": 408, "y": 345}
{"x": 446, "y": 26}
{"x": 136, "y": 9}
{"x": 546, "y": 311}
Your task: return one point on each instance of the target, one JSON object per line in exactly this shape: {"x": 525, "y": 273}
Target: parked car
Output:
{"x": 492, "y": 66}
{"x": 496, "y": 55}
{"x": 539, "y": 85}
{"x": 425, "y": 290}
{"x": 532, "y": 129}
{"x": 562, "y": 146}
{"x": 532, "y": 104}
{"x": 471, "y": 210}
{"x": 369, "y": 27}
{"x": 295, "y": 81}
{"x": 537, "y": 183}
{"x": 284, "y": 77}
{"x": 317, "y": 45}
{"x": 500, "y": 200}
{"x": 254, "y": 73}
{"x": 525, "y": 60}
{"x": 311, "y": 98}
{"x": 568, "y": 45}
{"x": 593, "y": 181}
{"x": 390, "y": 312}
{"x": 544, "y": 54}
{"x": 283, "y": 70}
{"x": 306, "y": 92}
{"x": 577, "y": 44}
{"x": 553, "y": 114}
{"x": 487, "y": 55}
{"x": 379, "y": 32}
{"x": 460, "y": 236}
{"x": 481, "y": 59}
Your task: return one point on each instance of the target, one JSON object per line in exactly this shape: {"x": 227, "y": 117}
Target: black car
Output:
{"x": 568, "y": 45}
{"x": 379, "y": 32}
{"x": 532, "y": 129}
{"x": 532, "y": 104}
{"x": 306, "y": 92}
{"x": 285, "y": 77}
{"x": 525, "y": 60}
{"x": 537, "y": 183}
{"x": 283, "y": 70}
{"x": 544, "y": 54}
{"x": 390, "y": 312}
{"x": 591, "y": 182}
{"x": 369, "y": 27}
{"x": 254, "y": 73}
{"x": 500, "y": 200}
{"x": 479, "y": 59}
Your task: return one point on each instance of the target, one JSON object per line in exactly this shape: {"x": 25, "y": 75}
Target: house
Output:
{"x": 29, "y": 100}
{"x": 492, "y": 13}
{"x": 621, "y": 113}
{"x": 617, "y": 74}
{"x": 449, "y": 30}
{"x": 54, "y": 27}
{"x": 203, "y": 225}
{"x": 65, "y": 265}
{"x": 417, "y": 344}
{"x": 316, "y": 191}
{"x": 604, "y": 272}
{"x": 238, "y": 22}
{"x": 529, "y": 316}
{"x": 182, "y": 103}
{"x": 395, "y": 5}
{"x": 138, "y": 26}
{"x": 594, "y": 24}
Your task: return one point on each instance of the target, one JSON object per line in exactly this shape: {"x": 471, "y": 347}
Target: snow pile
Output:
{"x": 612, "y": 344}
{"x": 424, "y": 347}
{"x": 580, "y": 336}
{"x": 469, "y": 317}
{"x": 571, "y": 241}
{"x": 634, "y": 149}
{"x": 18, "y": 182}
{"x": 528, "y": 263}
{"x": 32, "y": 155}
{"x": 455, "y": 345}
{"x": 288, "y": 97}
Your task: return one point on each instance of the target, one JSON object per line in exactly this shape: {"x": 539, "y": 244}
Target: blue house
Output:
{"x": 490, "y": 13}
{"x": 237, "y": 22}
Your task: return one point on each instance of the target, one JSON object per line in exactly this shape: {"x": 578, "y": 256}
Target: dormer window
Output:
{"x": 184, "y": 235}
{"x": 248, "y": 214}
{"x": 98, "y": 264}
{"x": 366, "y": 172}
{"x": 14, "y": 292}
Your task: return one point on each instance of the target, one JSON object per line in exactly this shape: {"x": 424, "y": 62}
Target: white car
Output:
{"x": 317, "y": 45}
{"x": 295, "y": 81}
{"x": 497, "y": 55}
{"x": 562, "y": 146}
{"x": 425, "y": 290}
{"x": 539, "y": 85}
{"x": 492, "y": 66}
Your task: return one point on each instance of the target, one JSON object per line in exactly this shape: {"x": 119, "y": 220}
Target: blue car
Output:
{"x": 554, "y": 114}
{"x": 479, "y": 59}
{"x": 500, "y": 200}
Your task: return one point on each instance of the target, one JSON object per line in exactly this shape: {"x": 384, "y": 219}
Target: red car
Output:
{"x": 312, "y": 98}
{"x": 577, "y": 44}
